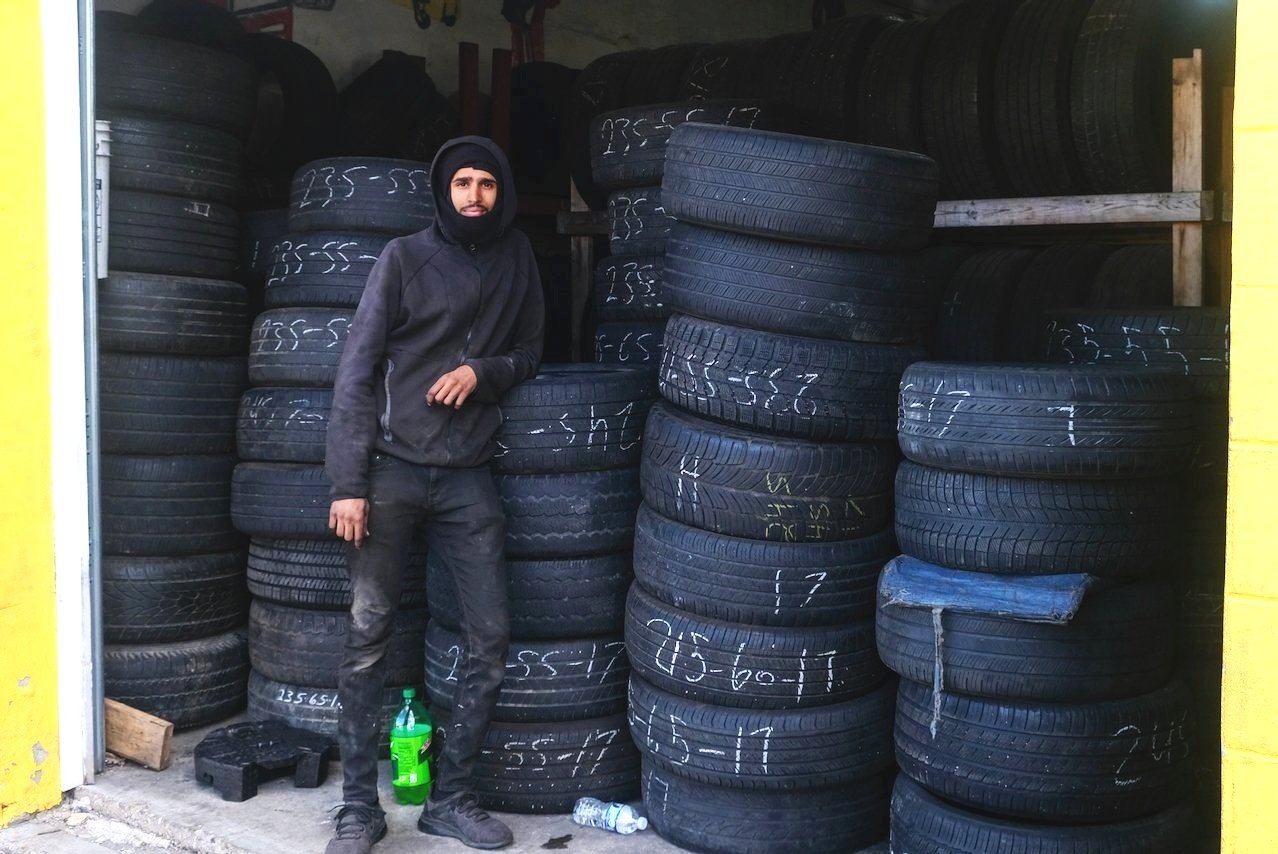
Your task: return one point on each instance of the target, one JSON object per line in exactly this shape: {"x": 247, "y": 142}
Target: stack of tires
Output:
{"x": 1010, "y": 97}
{"x": 1192, "y": 343}
{"x": 995, "y": 300}
{"x": 1036, "y": 731}
{"x": 627, "y": 155}
{"x": 171, "y": 331}
{"x": 757, "y": 699}
{"x": 816, "y": 75}
{"x": 567, "y": 472}
{"x": 343, "y": 213}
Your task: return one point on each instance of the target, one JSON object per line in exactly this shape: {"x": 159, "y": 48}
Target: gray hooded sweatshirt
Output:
{"x": 431, "y": 305}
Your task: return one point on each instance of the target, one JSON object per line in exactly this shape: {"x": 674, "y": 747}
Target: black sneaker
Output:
{"x": 459, "y": 816}
{"x": 359, "y": 827}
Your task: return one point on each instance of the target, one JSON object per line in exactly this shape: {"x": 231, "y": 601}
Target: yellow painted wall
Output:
{"x": 29, "y": 777}
{"x": 1250, "y": 703}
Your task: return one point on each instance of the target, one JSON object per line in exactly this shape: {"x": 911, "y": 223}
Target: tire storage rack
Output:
{"x": 342, "y": 213}
{"x": 627, "y": 150}
{"x": 567, "y": 472}
{"x": 171, "y": 327}
{"x": 757, "y": 700}
{"x": 1020, "y": 721}
{"x": 1142, "y": 303}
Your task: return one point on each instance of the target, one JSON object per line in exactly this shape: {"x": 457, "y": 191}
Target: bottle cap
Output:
{"x": 410, "y": 693}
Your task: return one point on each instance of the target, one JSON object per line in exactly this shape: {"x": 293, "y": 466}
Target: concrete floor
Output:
{"x": 130, "y": 809}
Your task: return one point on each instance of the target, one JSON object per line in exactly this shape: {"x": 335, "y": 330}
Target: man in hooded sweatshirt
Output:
{"x": 450, "y": 319}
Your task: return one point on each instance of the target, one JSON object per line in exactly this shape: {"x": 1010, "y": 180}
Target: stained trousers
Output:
{"x": 465, "y": 530}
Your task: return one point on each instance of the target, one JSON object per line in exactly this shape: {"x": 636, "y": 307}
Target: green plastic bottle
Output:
{"x": 410, "y": 751}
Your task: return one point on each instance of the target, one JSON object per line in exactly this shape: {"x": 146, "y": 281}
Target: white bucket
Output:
{"x": 101, "y": 195}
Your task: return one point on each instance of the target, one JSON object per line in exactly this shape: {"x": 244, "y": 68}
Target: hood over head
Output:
{"x": 482, "y": 153}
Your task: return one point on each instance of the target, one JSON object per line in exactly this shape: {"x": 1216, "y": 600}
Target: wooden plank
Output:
{"x": 138, "y": 736}
{"x": 1124, "y": 208}
{"x": 1187, "y": 176}
{"x": 582, "y": 222}
{"x": 583, "y": 270}
{"x": 499, "y": 105}
{"x": 468, "y": 86}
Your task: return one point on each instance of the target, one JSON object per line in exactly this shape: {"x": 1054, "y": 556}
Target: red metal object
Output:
{"x": 274, "y": 17}
{"x": 528, "y": 44}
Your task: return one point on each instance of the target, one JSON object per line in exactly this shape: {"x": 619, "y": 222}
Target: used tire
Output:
{"x": 194, "y": 161}
{"x": 286, "y": 425}
{"x": 581, "y": 597}
{"x": 638, "y": 222}
{"x": 168, "y": 506}
{"x": 144, "y": 75}
{"x": 316, "y": 708}
{"x": 141, "y": 313}
{"x": 188, "y": 683}
{"x": 723, "y": 820}
{"x": 546, "y": 767}
{"x": 326, "y": 268}
{"x": 628, "y": 146}
{"x": 1034, "y": 526}
{"x": 758, "y": 583}
{"x": 1119, "y": 644}
{"x": 958, "y": 98}
{"x": 1120, "y": 99}
{"x": 159, "y": 599}
{"x": 305, "y": 647}
{"x": 168, "y": 404}
{"x": 718, "y": 71}
{"x": 1076, "y": 763}
{"x": 925, "y": 824}
{"x": 1187, "y": 342}
{"x": 825, "y": 78}
{"x": 168, "y": 235}
{"x": 574, "y": 417}
{"x": 832, "y": 391}
{"x": 630, "y": 287}
{"x": 297, "y": 346}
{"x": 1045, "y": 421}
{"x": 972, "y": 320}
{"x": 259, "y": 232}
{"x": 569, "y": 515}
{"x": 888, "y": 109}
{"x": 781, "y": 286}
{"x": 1057, "y": 278}
{"x": 741, "y": 666}
{"x": 1032, "y": 99}
{"x": 799, "y": 188}
{"x": 314, "y": 574}
{"x": 1134, "y": 277}
{"x": 634, "y": 344}
{"x": 281, "y": 500}
{"x": 361, "y": 194}
{"x": 743, "y": 484}
{"x": 549, "y": 680}
{"x": 772, "y": 750}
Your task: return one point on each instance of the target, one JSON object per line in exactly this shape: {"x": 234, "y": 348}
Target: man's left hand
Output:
{"x": 453, "y": 388}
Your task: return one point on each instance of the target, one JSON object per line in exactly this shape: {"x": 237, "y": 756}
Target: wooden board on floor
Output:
{"x": 136, "y": 735}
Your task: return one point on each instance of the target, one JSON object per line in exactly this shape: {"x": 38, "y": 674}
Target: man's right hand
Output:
{"x": 348, "y": 518}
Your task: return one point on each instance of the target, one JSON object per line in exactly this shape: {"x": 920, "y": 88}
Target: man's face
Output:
{"x": 474, "y": 191}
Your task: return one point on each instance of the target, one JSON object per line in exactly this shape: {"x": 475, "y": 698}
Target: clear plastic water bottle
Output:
{"x": 410, "y": 751}
{"x": 620, "y": 818}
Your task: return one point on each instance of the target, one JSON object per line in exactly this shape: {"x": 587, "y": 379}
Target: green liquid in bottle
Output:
{"x": 410, "y": 751}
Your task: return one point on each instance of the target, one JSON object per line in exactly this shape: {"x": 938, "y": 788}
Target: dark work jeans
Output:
{"x": 466, "y": 532}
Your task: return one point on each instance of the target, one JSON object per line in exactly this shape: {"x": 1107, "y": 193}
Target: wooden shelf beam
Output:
{"x": 1121, "y": 208}
{"x": 1124, "y": 208}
